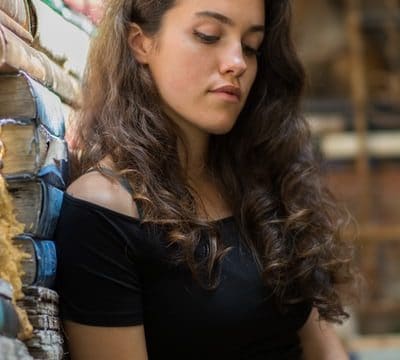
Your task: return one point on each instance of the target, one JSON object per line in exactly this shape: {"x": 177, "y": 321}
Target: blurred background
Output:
{"x": 351, "y": 52}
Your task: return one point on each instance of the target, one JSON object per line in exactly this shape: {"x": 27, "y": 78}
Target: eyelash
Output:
{"x": 211, "y": 39}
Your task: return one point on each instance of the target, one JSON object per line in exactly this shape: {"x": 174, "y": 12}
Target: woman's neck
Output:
{"x": 193, "y": 152}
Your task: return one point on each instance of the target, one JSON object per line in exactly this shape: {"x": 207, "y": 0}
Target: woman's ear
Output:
{"x": 139, "y": 43}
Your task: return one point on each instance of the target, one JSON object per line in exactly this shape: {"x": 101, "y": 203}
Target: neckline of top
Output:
{"x": 79, "y": 201}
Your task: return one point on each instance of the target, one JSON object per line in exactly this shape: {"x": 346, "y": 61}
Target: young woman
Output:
{"x": 198, "y": 227}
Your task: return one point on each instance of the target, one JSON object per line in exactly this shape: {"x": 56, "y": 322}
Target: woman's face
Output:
{"x": 204, "y": 61}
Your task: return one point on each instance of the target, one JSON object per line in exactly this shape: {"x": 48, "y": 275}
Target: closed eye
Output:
{"x": 207, "y": 39}
{"x": 249, "y": 51}
{"x": 211, "y": 39}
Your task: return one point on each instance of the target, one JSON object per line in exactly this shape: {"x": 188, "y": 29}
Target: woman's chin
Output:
{"x": 220, "y": 128}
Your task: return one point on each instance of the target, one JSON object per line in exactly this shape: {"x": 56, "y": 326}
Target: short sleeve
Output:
{"x": 98, "y": 276}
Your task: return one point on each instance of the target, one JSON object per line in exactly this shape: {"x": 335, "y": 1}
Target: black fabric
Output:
{"x": 113, "y": 271}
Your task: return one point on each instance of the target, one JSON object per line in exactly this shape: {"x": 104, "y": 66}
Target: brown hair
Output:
{"x": 264, "y": 165}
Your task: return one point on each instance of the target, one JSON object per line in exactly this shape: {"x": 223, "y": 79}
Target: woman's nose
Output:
{"x": 233, "y": 61}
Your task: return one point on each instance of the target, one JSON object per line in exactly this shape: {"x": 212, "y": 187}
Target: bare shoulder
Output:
{"x": 100, "y": 190}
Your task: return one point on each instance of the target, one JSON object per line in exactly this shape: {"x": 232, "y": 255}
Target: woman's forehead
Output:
{"x": 232, "y": 11}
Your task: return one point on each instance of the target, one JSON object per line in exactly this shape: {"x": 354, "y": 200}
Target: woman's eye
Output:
{"x": 208, "y": 39}
{"x": 249, "y": 51}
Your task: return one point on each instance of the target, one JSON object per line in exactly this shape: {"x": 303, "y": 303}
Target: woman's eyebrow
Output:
{"x": 227, "y": 21}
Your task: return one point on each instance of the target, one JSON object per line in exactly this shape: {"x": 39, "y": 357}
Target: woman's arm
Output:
{"x": 105, "y": 343}
{"x": 319, "y": 340}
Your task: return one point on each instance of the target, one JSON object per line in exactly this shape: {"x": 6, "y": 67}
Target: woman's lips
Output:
{"x": 228, "y": 93}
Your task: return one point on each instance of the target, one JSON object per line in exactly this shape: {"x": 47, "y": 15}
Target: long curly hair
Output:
{"x": 264, "y": 167}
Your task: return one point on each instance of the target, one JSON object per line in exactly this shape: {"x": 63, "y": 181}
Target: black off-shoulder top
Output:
{"x": 113, "y": 271}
